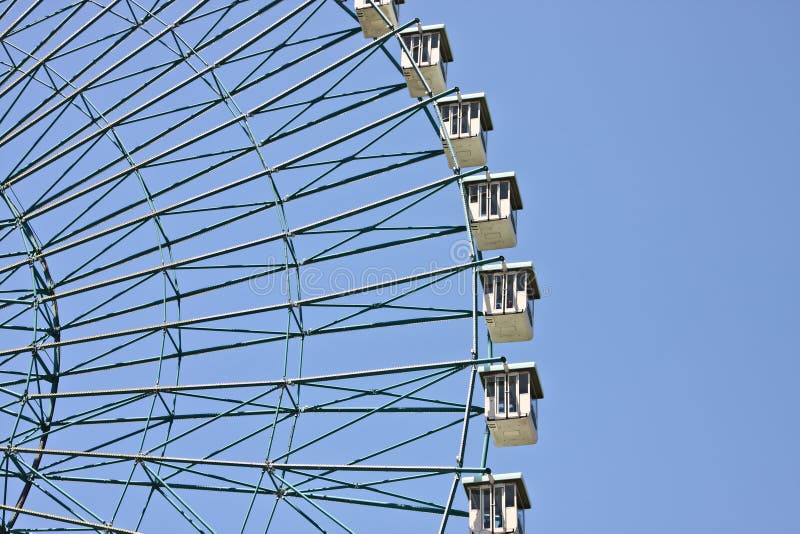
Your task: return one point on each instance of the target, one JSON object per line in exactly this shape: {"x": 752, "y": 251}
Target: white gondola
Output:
{"x": 511, "y": 392}
{"x": 369, "y": 15}
{"x": 508, "y": 294}
{"x": 466, "y": 124}
{"x": 497, "y": 503}
{"x": 430, "y": 51}
{"x": 493, "y": 202}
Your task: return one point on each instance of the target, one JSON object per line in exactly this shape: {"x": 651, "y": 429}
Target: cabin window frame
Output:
{"x": 512, "y": 403}
{"x": 421, "y": 48}
{"x": 497, "y": 297}
{"x": 522, "y": 282}
{"x": 491, "y": 502}
{"x": 494, "y": 200}
{"x": 457, "y": 119}
{"x": 499, "y": 515}
{"x": 501, "y": 398}
{"x": 490, "y": 201}
{"x": 510, "y": 290}
{"x": 486, "y": 507}
{"x": 365, "y": 4}
{"x": 472, "y": 194}
{"x": 505, "y": 189}
{"x": 503, "y": 394}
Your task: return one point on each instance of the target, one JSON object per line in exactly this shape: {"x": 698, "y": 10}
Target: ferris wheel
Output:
{"x": 250, "y": 253}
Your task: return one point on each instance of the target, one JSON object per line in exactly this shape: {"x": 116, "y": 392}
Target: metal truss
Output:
{"x": 194, "y": 193}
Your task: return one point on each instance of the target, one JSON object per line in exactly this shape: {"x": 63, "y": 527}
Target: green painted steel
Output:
{"x": 171, "y": 175}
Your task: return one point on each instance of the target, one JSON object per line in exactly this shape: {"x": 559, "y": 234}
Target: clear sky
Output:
{"x": 660, "y": 148}
{"x": 657, "y": 145}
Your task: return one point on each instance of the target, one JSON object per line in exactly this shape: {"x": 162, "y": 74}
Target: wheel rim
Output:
{"x": 231, "y": 224}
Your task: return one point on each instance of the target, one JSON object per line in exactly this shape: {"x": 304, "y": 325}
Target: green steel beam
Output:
{"x": 264, "y": 383}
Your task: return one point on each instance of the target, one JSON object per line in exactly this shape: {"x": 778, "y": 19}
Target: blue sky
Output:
{"x": 660, "y": 144}
{"x": 657, "y": 146}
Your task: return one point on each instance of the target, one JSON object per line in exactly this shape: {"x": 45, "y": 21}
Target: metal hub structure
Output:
{"x": 238, "y": 292}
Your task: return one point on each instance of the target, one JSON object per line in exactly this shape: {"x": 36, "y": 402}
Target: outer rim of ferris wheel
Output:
{"x": 55, "y": 343}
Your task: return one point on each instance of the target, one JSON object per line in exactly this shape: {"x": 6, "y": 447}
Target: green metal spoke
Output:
{"x": 86, "y": 68}
{"x": 374, "y": 487}
{"x": 144, "y": 458}
{"x": 181, "y": 184}
{"x": 258, "y": 310}
{"x": 63, "y": 498}
{"x": 66, "y": 520}
{"x": 101, "y": 131}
